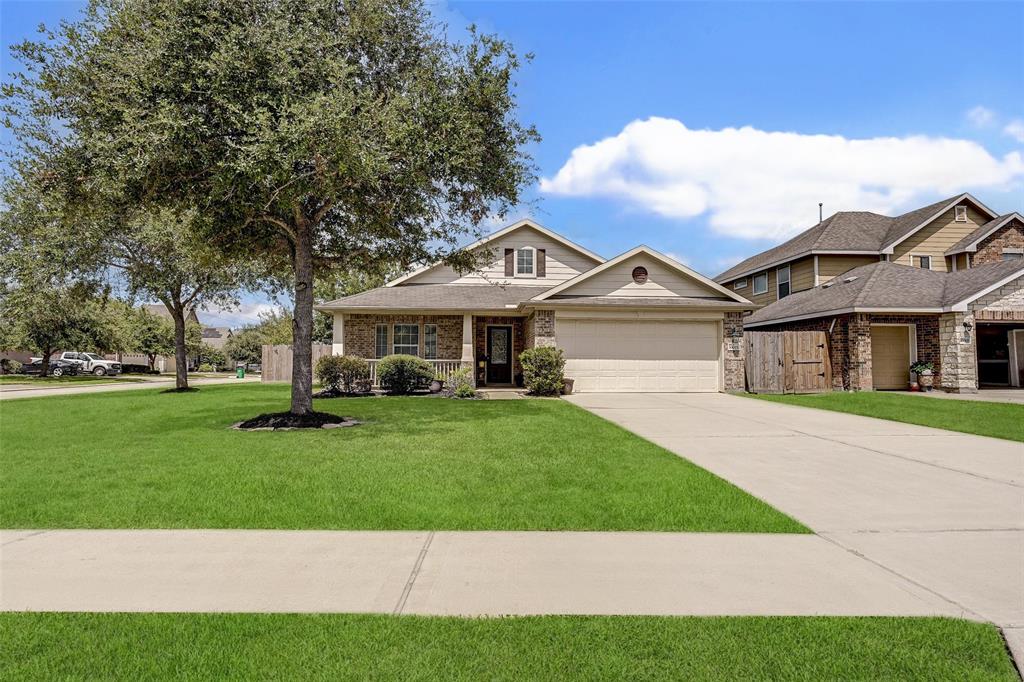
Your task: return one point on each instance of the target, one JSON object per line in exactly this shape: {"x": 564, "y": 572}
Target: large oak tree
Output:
{"x": 311, "y": 133}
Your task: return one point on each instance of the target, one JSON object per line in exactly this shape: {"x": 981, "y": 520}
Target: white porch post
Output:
{"x": 467, "y": 345}
{"x": 338, "y": 342}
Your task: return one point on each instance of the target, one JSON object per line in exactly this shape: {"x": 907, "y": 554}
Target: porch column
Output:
{"x": 338, "y": 341}
{"x": 467, "y": 345}
{"x": 958, "y": 355}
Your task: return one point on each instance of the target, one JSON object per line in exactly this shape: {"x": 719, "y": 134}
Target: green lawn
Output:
{"x": 146, "y": 459}
{"x": 1001, "y": 420}
{"x": 359, "y": 647}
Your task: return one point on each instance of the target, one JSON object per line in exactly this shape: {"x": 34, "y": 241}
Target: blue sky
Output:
{"x": 744, "y": 116}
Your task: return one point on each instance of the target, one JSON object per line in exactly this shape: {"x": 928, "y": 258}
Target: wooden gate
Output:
{"x": 787, "y": 362}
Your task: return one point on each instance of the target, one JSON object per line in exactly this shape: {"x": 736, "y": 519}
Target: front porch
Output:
{"x": 489, "y": 344}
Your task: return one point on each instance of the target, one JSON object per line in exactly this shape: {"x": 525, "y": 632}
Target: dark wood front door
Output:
{"x": 499, "y": 355}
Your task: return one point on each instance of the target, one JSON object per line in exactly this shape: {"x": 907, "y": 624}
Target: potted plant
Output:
{"x": 437, "y": 384}
{"x": 925, "y": 372}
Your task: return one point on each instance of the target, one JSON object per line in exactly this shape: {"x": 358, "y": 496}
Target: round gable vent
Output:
{"x": 640, "y": 274}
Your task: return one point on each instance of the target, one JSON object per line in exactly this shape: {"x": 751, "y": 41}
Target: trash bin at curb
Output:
{"x": 240, "y": 372}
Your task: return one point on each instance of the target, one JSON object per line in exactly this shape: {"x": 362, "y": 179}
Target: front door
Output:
{"x": 993, "y": 355}
{"x": 890, "y": 357}
{"x": 499, "y": 355}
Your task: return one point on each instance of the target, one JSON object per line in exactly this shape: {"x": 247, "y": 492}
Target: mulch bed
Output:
{"x": 286, "y": 421}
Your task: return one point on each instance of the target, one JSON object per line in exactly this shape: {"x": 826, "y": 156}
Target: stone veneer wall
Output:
{"x": 733, "y": 352}
{"x": 958, "y": 347}
{"x": 990, "y": 250}
{"x": 361, "y": 330}
{"x": 544, "y": 328}
{"x": 1004, "y": 304}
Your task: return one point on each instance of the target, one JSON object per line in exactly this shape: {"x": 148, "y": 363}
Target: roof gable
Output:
{"x": 519, "y": 226}
{"x": 666, "y": 278}
{"x": 971, "y": 241}
{"x": 908, "y": 224}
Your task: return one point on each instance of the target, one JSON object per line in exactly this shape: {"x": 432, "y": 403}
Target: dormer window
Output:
{"x": 961, "y": 214}
{"x": 526, "y": 262}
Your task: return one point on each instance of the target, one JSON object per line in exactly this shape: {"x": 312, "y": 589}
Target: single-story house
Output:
{"x": 882, "y": 317}
{"x": 638, "y": 322}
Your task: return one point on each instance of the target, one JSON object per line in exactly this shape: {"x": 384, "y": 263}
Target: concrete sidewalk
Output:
{"x": 18, "y": 391}
{"x": 455, "y": 573}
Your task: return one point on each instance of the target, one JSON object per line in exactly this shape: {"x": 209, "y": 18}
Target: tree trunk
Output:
{"x": 44, "y": 371}
{"x": 152, "y": 360}
{"x": 180, "y": 354}
{"x": 302, "y": 322}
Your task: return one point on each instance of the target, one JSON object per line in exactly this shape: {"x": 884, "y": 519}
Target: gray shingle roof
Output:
{"x": 890, "y": 286}
{"x": 437, "y": 297}
{"x": 962, "y": 245}
{"x": 843, "y": 231}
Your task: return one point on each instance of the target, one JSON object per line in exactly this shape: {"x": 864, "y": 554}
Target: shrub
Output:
{"x": 206, "y": 367}
{"x": 543, "y": 370}
{"x": 10, "y": 366}
{"x": 402, "y": 374}
{"x": 344, "y": 373}
{"x": 460, "y": 384}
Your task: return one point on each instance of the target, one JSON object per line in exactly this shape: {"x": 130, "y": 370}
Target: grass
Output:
{"x": 1001, "y": 420}
{"x": 66, "y": 379}
{"x": 358, "y": 647}
{"x": 143, "y": 459}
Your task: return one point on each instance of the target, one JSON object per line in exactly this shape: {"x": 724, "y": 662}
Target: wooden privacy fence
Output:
{"x": 277, "y": 360}
{"x": 788, "y": 362}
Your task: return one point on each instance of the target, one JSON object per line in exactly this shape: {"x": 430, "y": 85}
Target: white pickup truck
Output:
{"x": 92, "y": 363}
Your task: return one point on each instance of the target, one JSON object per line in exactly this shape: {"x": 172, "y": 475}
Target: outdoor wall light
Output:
{"x": 968, "y": 326}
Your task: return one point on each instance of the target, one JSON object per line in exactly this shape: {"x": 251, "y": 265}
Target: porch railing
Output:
{"x": 443, "y": 368}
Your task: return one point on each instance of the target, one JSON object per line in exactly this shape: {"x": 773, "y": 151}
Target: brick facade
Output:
{"x": 518, "y": 325}
{"x": 1005, "y": 304}
{"x": 360, "y": 333}
{"x": 733, "y": 353}
{"x": 990, "y": 250}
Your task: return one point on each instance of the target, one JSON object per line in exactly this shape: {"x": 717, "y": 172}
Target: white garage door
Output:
{"x": 640, "y": 356}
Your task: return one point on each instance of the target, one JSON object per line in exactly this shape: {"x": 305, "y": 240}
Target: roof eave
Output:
{"x": 802, "y": 254}
{"x": 888, "y": 248}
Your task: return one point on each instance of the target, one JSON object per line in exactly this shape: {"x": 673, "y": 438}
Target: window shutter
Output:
{"x": 542, "y": 266}
{"x": 510, "y": 262}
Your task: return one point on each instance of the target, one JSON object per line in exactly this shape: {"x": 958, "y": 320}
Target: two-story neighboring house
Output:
{"x": 638, "y": 322}
{"x": 949, "y": 235}
{"x": 943, "y": 284}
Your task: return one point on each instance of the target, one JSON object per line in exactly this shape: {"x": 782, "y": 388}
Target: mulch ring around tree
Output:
{"x": 286, "y": 421}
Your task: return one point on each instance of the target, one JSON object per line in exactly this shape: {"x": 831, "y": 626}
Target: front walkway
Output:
{"x": 942, "y": 510}
{"x": 988, "y": 395}
{"x": 449, "y": 573}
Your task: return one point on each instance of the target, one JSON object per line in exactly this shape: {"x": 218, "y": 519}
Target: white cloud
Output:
{"x": 1015, "y": 129}
{"x": 758, "y": 184}
{"x": 981, "y": 117}
{"x": 677, "y": 258}
{"x": 235, "y": 316}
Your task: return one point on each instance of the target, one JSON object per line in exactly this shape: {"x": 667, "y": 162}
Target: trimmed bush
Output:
{"x": 403, "y": 374}
{"x": 460, "y": 384}
{"x": 10, "y": 366}
{"x": 206, "y": 367}
{"x": 343, "y": 374}
{"x": 543, "y": 370}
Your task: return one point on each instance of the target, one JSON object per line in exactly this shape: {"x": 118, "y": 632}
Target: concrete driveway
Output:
{"x": 941, "y": 509}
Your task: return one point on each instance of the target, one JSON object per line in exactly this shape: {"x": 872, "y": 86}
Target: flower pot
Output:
{"x": 926, "y": 379}
{"x": 436, "y": 385}
{"x": 567, "y": 386}
{"x": 914, "y": 387}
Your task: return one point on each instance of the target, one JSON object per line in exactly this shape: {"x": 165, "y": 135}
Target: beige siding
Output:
{"x": 761, "y": 299}
{"x": 937, "y": 238}
{"x": 662, "y": 281}
{"x": 833, "y": 266}
{"x": 801, "y": 274}
{"x": 562, "y": 263}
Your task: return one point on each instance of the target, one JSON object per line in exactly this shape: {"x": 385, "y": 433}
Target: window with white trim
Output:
{"x": 406, "y": 340}
{"x": 1013, "y": 254}
{"x": 761, "y": 283}
{"x": 526, "y": 262}
{"x": 782, "y": 278}
{"x": 380, "y": 346}
{"x": 740, "y": 284}
{"x": 923, "y": 262}
{"x": 430, "y": 341}
{"x": 961, "y": 214}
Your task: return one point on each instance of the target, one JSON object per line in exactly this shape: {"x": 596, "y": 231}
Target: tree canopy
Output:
{"x": 308, "y": 134}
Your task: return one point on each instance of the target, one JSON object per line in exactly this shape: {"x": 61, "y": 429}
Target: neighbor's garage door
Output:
{"x": 634, "y": 355}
